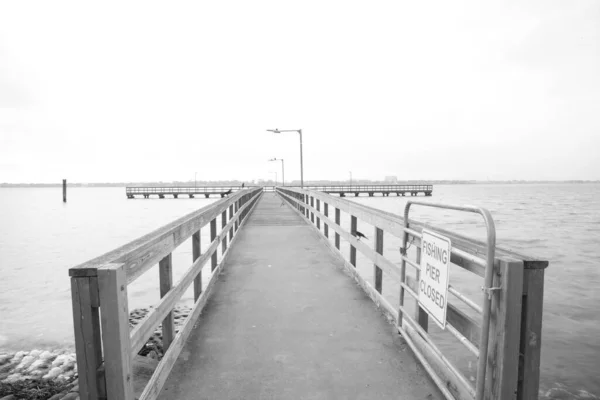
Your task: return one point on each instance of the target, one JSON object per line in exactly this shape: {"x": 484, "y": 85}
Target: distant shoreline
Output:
{"x": 319, "y": 183}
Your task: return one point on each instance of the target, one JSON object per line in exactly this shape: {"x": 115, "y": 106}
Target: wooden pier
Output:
{"x": 176, "y": 191}
{"x": 371, "y": 190}
{"x": 341, "y": 190}
{"x": 282, "y": 318}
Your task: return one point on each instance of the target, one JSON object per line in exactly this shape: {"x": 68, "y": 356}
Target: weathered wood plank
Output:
{"x": 353, "y": 228}
{"x": 165, "y": 268}
{"x": 531, "y": 333}
{"x": 325, "y": 225}
{"x": 195, "y": 254}
{"x": 337, "y": 235}
{"x": 86, "y": 325}
{"x": 318, "y": 209}
{"x": 223, "y": 223}
{"x": 230, "y": 218}
{"x": 213, "y": 235}
{"x": 112, "y": 284}
{"x": 505, "y": 325}
{"x": 377, "y": 272}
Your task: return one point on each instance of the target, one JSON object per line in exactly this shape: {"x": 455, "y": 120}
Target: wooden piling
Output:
{"x": 64, "y": 190}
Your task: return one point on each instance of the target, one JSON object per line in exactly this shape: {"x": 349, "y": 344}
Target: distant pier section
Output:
{"x": 176, "y": 191}
{"x": 222, "y": 191}
{"x": 371, "y": 190}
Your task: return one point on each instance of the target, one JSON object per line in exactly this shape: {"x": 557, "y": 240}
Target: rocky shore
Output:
{"x": 34, "y": 373}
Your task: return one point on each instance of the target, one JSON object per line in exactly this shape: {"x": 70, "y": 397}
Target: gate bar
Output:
{"x": 487, "y": 288}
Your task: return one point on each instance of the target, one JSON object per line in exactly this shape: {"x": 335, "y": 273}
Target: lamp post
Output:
{"x": 195, "y": 180}
{"x": 301, "y": 162}
{"x": 282, "y": 170}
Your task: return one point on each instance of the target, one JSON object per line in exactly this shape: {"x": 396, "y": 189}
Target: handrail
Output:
{"x": 104, "y": 351}
{"x": 514, "y": 361}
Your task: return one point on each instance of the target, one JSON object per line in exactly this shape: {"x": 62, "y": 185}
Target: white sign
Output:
{"x": 433, "y": 281}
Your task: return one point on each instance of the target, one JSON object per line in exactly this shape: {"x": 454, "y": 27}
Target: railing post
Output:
{"x": 88, "y": 346}
{"x": 195, "y": 255}
{"x": 318, "y": 219}
{"x": 325, "y": 226}
{"x": 230, "y": 218}
{"x": 307, "y": 210}
{"x": 531, "y": 332}
{"x": 312, "y": 214}
{"x": 213, "y": 236}
{"x": 112, "y": 285}
{"x": 237, "y": 219}
{"x": 165, "y": 269}
{"x": 337, "y": 222}
{"x": 421, "y": 315}
{"x": 353, "y": 228}
{"x": 378, "y": 274}
{"x": 223, "y": 223}
{"x": 505, "y": 327}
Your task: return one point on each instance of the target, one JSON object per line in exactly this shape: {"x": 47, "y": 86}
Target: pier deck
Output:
{"x": 284, "y": 323}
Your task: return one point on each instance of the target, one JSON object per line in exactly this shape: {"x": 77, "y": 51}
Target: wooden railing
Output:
{"x": 99, "y": 287}
{"x": 179, "y": 189}
{"x": 513, "y": 356}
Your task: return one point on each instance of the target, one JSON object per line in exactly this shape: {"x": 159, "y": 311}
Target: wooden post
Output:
{"x": 223, "y": 223}
{"x": 165, "y": 271}
{"x": 421, "y": 315}
{"x": 531, "y": 332}
{"x": 64, "y": 190}
{"x": 378, "y": 274}
{"x": 505, "y": 327}
{"x": 195, "y": 255}
{"x": 237, "y": 220}
{"x": 318, "y": 219}
{"x": 88, "y": 346}
{"x": 112, "y": 284}
{"x": 337, "y": 222}
{"x": 230, "y": 217}
{"x": 353, "y": 228}
{"x": 312, "y": 214}
{"x": 307, "y": 210}
{"x": 325, "y": 226}
{"x": 213, "y": 236}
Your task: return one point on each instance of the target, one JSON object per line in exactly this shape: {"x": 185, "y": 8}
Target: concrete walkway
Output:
{"x": 285, "y": 323}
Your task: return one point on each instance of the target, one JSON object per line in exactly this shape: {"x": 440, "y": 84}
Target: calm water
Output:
{"x": 40, "y": 238}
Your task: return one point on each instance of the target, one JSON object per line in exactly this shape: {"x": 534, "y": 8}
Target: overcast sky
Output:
{"x": 135, "y": 91}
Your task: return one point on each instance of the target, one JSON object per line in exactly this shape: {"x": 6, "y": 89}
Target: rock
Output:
{"x": 54, "y": 372}
{"x": 35, "y": 353}
{"x": 9, "y": 397}
{"x": 46, "y": 355}
{"x": 13, "y": 377}
{"x": 37, "y": 364}
{"x": 75, "y": 389}
{"x": 17, "y": 357}
{"x": 25, "y": 362}
{"x": 4, "y": 358}
{"x": 71, "y": 396}
{"x": 60, "y": 360}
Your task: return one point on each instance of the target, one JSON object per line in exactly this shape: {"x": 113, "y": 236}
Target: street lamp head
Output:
{"x": 273, "y": 130}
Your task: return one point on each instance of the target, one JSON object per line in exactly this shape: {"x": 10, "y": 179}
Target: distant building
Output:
{"x": 391, "y": 179}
